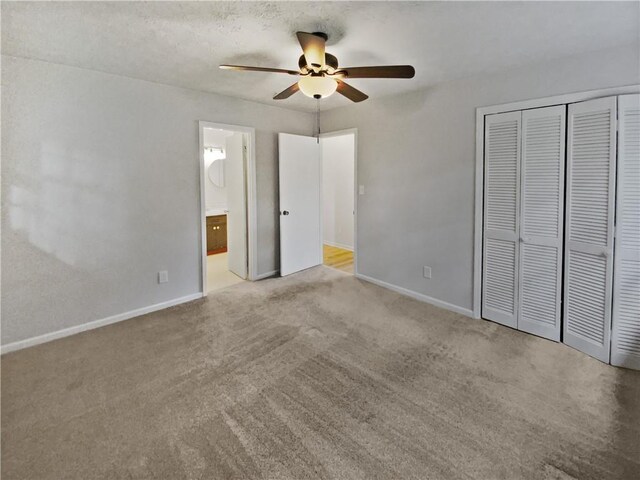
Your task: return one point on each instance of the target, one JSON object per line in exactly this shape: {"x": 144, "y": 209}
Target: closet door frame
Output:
{"x": 481, "y": 112}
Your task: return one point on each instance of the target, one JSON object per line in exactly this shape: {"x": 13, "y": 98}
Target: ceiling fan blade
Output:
{"x": 383, "y": 71}
{"x": 287, "y": 92}
{"x": 350, "y": 92}
{"x": 258, "y": 69}
{"x": 313, "y": 48}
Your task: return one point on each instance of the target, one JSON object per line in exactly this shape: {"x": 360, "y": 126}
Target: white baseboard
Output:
{"x": 418, "y": 296}
{"x": 264, "y": 275}
{"x": 339, "y": 245}
{"x": 65, "y": 332}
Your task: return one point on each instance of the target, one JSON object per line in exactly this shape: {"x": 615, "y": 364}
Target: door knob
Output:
{"x": 285, "y": 212}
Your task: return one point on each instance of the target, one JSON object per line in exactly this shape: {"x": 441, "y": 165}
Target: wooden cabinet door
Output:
{"x": 217, "y": 233}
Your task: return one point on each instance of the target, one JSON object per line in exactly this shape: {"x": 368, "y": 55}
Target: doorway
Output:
{"x": 227, "y": 183}
{"x": 306, "y": 230}
{"x": 338, "y": 200}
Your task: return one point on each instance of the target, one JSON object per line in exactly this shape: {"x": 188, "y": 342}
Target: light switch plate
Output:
{"x": 426, "y": 271}
{"x": 361, "y": 189}
{"x": 163, "y": 276}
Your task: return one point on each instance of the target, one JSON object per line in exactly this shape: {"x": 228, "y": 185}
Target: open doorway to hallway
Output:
{"x": 225, "y": 238}
{"x": 338, "y": 152}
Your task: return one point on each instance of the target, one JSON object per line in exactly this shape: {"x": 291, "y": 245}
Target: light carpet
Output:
{"x": 316, "y": 375}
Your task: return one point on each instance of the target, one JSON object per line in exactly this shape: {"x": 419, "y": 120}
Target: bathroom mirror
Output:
{"x": 216, "y": 172}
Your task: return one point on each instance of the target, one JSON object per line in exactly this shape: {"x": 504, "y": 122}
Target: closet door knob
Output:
{"x": 285, "y": 212}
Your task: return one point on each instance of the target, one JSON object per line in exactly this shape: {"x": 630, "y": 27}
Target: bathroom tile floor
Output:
{"x": 218, "y": 275}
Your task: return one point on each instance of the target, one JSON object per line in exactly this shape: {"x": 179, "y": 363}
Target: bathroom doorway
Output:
{"x": 227, "y": 180}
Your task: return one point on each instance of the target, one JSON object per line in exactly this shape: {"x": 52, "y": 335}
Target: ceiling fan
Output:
{"x": 320, "y": 75}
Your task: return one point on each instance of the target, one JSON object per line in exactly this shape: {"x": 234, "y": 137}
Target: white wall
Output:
{"x": 215, "y": 197}
{"x": 337, "y": 190}
{"x": 416, "y": 155}
{"x": 100, "y": 191}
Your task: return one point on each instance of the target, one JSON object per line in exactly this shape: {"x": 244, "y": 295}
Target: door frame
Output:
{"x": 479, "y": 178}
{"x": 340, "y": 133}
{"x": 251, "y": 200}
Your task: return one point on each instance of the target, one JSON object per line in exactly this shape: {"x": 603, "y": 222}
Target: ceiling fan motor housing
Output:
{"x": 331, "y": 63}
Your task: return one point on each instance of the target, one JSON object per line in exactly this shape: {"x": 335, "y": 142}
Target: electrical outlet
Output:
{"x": 163, "y": 276}
{"x": 361, "y": 189}
{"x": 426, "y": 272}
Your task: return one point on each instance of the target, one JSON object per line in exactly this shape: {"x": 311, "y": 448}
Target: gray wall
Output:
{"x": 100, "y": 183}
{"x": 100, "y": 191}
{"x": 416, "y": 158}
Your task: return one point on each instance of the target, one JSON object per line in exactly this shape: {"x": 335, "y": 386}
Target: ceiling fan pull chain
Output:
{"x": 318, "y": 117}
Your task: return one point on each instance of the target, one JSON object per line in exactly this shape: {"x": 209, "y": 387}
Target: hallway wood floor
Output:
{"x": 338, "y": 258}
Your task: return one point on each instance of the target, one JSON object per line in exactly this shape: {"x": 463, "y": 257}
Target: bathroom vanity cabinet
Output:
{"x": 216, "y": 234}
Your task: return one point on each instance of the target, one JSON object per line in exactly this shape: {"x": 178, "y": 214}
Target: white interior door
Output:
{"x": 235, "y": 162}
{"x": 625, "y": 334}
{"x": 501, "y": 218}
{"x": 591, "y": 155}
{"x": 542, "y": 224}
{"x": 300, "y": 215}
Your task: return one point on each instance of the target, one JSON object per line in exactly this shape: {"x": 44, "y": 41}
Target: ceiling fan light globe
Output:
{"x": 312, "y": 86}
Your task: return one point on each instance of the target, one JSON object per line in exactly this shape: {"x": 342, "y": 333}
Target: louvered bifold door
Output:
{"x": 625, "y": 340}
{"x": 541, "y": 225}
{"x": 501, "y": 218}
{"x": 591, "y": 138}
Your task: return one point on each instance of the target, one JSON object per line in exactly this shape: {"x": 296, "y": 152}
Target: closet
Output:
{"x": 555, "y": 263}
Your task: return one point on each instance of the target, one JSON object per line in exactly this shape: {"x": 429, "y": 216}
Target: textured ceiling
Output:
{"x": 182, "y": 44}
